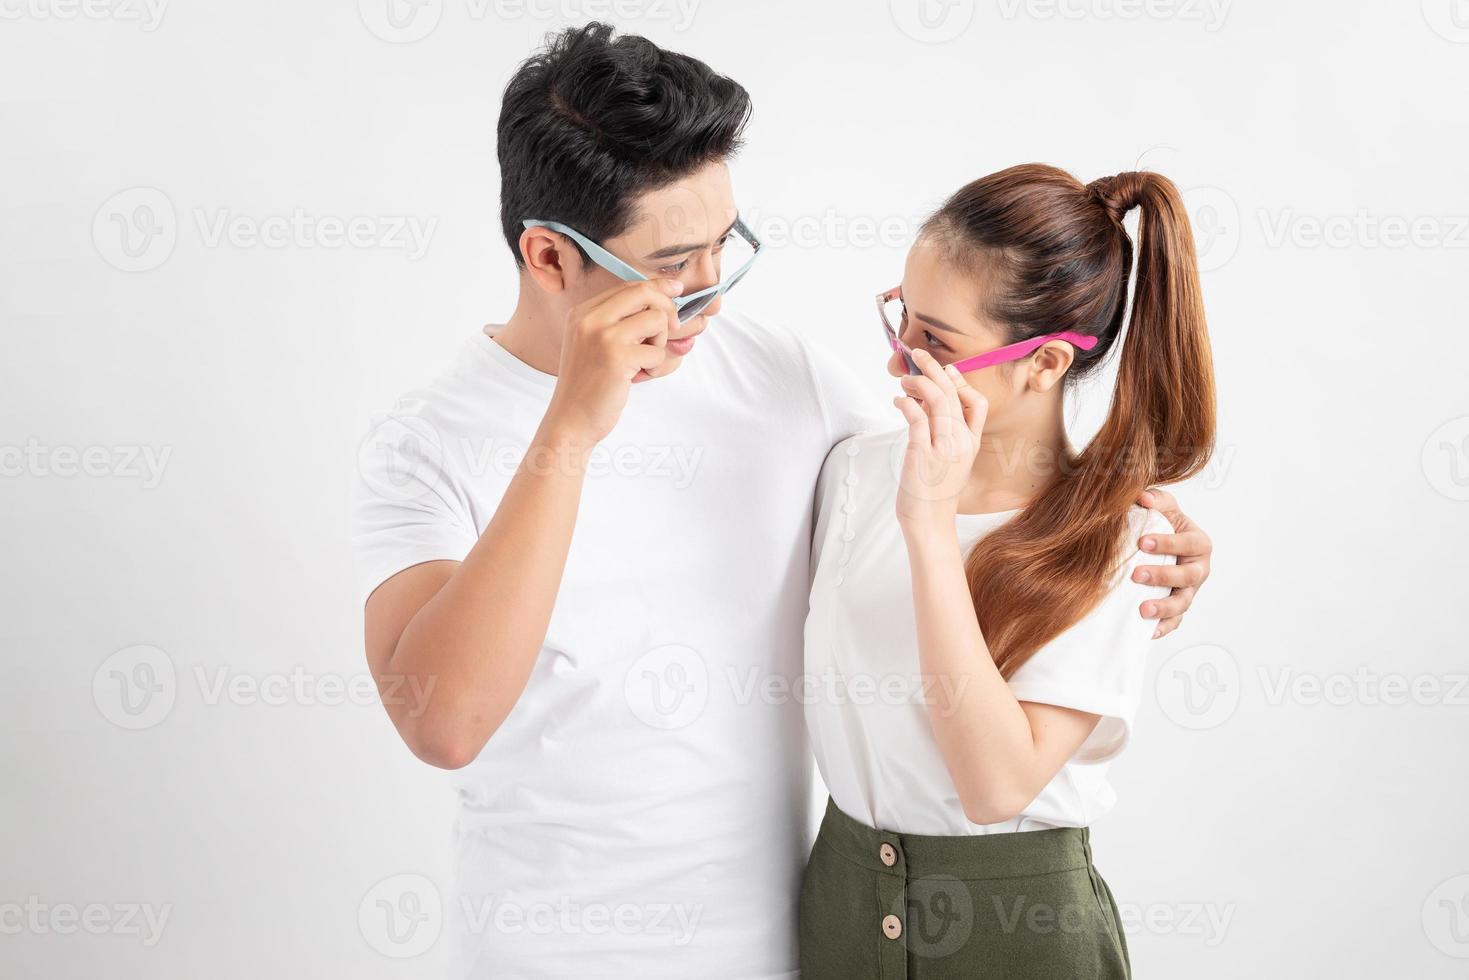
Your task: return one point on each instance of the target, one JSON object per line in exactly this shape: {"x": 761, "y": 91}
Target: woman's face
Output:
{"x": 941, "y": 307}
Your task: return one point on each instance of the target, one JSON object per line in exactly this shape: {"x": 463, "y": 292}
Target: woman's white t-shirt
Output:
{"x": 868, "y": 713}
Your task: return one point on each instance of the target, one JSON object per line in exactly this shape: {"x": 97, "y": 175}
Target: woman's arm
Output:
{"x": 1000, "y": 752}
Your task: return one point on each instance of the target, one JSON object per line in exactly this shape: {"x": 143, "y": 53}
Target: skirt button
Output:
{"x": 892, "y": 926}
{"x": 888, "y": 855}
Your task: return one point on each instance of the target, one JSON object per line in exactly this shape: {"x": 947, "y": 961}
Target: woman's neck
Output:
{"x": 1016, "y": 463}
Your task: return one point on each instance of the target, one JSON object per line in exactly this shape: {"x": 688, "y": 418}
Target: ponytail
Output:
{"x": 1039, "y": 573}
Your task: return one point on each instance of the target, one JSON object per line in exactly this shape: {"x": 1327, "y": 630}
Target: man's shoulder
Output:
{"x": 760, "y": 337}
{"x": 472, "y": 387}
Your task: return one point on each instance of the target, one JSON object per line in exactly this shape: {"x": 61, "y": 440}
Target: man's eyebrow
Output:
{"x": 938, "y": 323}
{"x": 672, "y": 250}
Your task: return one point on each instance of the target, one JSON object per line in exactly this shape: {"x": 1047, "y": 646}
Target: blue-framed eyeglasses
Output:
{"x": 688, "y": 306}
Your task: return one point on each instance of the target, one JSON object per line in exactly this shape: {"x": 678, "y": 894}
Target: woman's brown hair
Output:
{"x": 1060, "y": 259}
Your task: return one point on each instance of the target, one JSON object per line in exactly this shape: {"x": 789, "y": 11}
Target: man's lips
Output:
{"x": 679, "y": 348}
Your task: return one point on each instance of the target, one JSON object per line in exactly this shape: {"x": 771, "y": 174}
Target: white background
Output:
{"x": 1294, "y": 803}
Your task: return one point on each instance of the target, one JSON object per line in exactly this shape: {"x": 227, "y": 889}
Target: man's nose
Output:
{"x": 701, "y": 274}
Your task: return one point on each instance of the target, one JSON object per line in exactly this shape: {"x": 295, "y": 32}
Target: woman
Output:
{"x": 985, "y": 645}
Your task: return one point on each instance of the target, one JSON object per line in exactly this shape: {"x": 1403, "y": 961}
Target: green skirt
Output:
{"x": 883, "y": 906}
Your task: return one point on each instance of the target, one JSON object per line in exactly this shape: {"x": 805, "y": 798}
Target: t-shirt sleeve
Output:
{"x": 1099, "y": 664}
{"x": 847, "y": 408}
{"x": 405, "y": 510}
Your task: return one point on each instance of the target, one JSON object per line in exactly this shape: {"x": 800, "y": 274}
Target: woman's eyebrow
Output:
{"x": 672, "y": 250}
{"x": 938, "y": 323}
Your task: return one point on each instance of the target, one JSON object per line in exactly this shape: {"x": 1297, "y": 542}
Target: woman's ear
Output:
{"x": 1049, "y": 364}
{"x": 541, "y": 250}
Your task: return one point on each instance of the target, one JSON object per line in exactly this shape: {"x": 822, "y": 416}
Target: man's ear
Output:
{"x": 542, "y": 251}
{"x": 1049, "y": 364}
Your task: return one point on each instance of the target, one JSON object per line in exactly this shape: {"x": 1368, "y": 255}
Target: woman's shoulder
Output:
{"x": 866, "y": 456}
{"x": 1145, "y": 520}
{"x": 859, "y": 472}
{"x": 1142, "y": 521}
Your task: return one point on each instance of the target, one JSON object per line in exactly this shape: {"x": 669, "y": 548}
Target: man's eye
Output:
{"x": 719, "y": 245}
{"x": 673, "y": 270}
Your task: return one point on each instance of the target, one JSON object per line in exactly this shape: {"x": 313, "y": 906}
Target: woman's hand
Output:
{"x": 945, "y": 417}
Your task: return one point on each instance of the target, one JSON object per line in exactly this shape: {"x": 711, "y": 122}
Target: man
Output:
{"x": 623, "y": 704}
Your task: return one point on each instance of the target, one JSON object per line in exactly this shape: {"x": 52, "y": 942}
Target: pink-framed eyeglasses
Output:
{"x": 886, "y": 301}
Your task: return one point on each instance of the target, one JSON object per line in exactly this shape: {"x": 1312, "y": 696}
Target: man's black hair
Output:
{"x": 591, "y": 121}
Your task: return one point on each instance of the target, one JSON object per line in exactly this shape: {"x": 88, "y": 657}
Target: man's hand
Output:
{"x": 612, "y": 340}
{"x": 1193, "y": 550}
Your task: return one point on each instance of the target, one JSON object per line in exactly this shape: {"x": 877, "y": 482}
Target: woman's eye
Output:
{"x": 933, "y": 341}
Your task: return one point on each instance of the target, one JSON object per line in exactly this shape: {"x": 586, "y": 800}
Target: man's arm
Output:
{"x": 468, "y": 633}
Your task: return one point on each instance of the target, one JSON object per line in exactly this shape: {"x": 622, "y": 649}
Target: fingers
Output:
{"x": 916, "y": 418}
{"x": 941, "y": 379}
{"x": 1189, "y": 576}
{"x": 1171, "y": 607}
{"x": 1166, "y": 504}
{"x": 974, "y": 405}
{"x": 1190, "y": 546}
{"x": 1156, "y": 499}
{"x": 641, "y": 344}
{"x": 926, "y": 391}
{"x": 1166, "y": 626}
{"x": 622, "y": 302}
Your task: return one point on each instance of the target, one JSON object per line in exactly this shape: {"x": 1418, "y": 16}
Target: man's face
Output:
{"x": 678, "y": 232}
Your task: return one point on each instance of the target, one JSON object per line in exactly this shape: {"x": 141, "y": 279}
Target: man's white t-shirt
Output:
{"x": 642, "y": 812}
{"x": 870, "y": 728}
